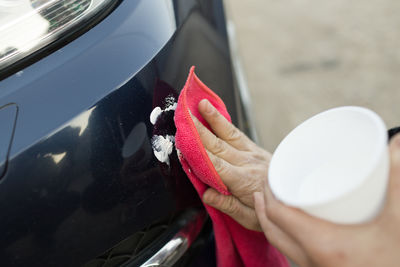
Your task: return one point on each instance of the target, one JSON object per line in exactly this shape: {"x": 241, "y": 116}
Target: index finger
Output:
{"x": 216, "y": 145}
{"x": 223, "y": 128}
{"x": 308, "y": 231}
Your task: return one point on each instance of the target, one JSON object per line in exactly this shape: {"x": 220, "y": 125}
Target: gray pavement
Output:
{"x": 304, "y": 56}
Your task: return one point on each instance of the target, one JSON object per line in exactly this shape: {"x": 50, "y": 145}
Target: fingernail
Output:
{"x": 208, "y": 106}
{"x": 208, "y": 197}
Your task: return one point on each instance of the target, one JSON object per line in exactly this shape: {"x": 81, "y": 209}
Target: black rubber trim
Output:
{"x": 392, "y": 132}
{"x": 66, "y": 38}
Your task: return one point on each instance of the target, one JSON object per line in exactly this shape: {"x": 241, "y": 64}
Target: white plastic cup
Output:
{"x": 334, "y": 165}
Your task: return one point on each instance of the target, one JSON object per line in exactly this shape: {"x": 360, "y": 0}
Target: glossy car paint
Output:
{"x": 80, "y": 175}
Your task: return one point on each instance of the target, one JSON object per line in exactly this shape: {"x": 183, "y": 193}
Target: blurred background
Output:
{"x": 304, "y": 56}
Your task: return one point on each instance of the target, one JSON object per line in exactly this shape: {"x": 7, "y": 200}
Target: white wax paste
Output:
{"x": 154, "y": 114}
{"x": 157, "y": 111}
{"x": 172, "y": 107}
{"x": 169, "y": 100}
{"x": 178, "y": 153}
{"x": 329, "y": 180}
{"x": 162, "y": 147}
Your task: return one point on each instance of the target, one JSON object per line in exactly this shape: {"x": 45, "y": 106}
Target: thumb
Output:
{"x": 231, "y": 206}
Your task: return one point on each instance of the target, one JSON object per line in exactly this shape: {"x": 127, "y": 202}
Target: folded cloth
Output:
{"x": 235, "y": 245}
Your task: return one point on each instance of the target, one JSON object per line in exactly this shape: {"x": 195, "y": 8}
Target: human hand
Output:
{"x": 240, "y": 163}
{"x": 310, "y": 241}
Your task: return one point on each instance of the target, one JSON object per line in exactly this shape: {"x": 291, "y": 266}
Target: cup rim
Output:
{"x": 381, "y": 147}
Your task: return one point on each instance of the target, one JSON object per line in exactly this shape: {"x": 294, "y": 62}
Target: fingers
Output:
{"x": 230, "y": 174}
{"x": 276, "y": 236}
{"x": 216, "y": 145}
{"x": 306, "y": 230}
{"x": 231, "y": 206}
{"x": 394, "y": 180}
{"x": 223, "y": 128}
{"x": 316, "y": 240}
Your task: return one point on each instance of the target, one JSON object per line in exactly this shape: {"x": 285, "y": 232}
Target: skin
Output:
{"x": 306, "y": 240}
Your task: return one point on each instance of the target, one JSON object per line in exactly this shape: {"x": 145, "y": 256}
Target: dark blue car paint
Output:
{"x": 69, "y": 193}
{"x": 8, "y": 116}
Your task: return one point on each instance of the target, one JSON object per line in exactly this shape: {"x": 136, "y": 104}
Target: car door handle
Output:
{"x": 174, "y": 249}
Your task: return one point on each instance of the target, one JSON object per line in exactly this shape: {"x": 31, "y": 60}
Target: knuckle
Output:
{"x": 218, "y": 145}
{"x": 231, "y": 206}
{"x": 245, "y": 161}
{"x": 215, "y": 115}
{"x": 266, "y": 156}
{"x": 213, "y": 199}
{"x": 234, "y": 134}
{"x": 259, "y": 156}
{"x": 255, "y": 156}
{"x": 219, "y": 165}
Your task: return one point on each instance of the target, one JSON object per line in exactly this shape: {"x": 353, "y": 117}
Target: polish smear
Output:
{"x": 157, "y": 111}
{"x": 162, "y": 147}
{"x": 154, "y": 114}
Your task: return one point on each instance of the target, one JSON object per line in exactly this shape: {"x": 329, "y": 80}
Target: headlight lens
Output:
{"x": 28, "y": 25}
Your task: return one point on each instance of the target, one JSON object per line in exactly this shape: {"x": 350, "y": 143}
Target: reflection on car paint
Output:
{"x": 104, "y": 188}
{"x": 163, "y": 145}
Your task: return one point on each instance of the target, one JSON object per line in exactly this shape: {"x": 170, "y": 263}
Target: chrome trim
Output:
{"x": 173, "y": 250}
{"x": 241, "y": 80}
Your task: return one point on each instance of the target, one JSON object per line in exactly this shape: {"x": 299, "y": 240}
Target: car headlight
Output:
{"x": 28, "y": 25}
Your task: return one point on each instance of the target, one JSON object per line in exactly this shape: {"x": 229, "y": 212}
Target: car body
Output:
{"x": 80, "y": 184}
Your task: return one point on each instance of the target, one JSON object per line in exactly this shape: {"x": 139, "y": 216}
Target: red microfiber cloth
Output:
{"x": 235, "y": 245}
